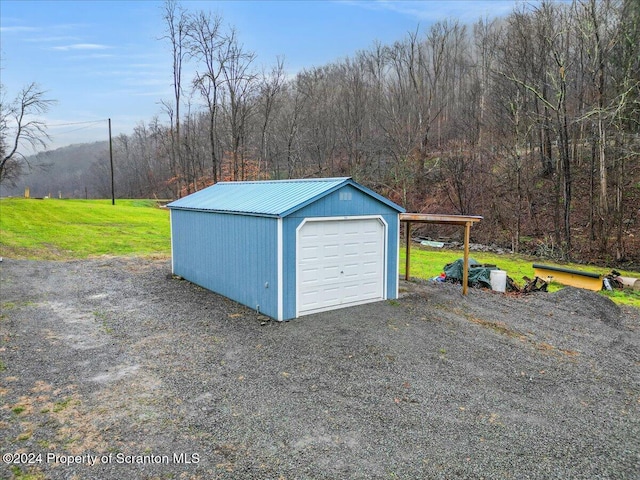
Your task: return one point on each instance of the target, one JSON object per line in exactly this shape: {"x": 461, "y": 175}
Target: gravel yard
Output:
{"x": 110, "y": 369}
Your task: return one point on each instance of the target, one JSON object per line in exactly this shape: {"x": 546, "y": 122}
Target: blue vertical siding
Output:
{"x": 233, "y": 255}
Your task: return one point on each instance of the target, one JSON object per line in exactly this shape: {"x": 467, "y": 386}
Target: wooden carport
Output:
{"x": 462, "y": 220}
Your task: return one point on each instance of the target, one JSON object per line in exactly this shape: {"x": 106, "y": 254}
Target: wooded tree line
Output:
{"x": 532, "y": 121}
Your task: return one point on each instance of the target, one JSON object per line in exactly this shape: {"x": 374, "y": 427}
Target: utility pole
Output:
{"x": 113, "y": 195}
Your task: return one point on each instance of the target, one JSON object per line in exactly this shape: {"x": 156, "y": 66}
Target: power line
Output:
{"x": 73, "y": 130}
{"x": 75, "y": 123}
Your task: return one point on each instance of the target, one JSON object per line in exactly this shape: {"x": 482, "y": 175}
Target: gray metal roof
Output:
{"x": 277, "y": 198}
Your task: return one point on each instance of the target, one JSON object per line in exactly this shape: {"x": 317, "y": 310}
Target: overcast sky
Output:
{"x": 105, "y": 59}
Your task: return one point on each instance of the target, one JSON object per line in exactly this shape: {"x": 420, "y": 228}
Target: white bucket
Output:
{"x": 498, "y": 280}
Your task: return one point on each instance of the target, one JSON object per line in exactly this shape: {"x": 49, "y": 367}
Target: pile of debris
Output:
{"x": 480, "y": 277}
{"x": 615, "y": 281}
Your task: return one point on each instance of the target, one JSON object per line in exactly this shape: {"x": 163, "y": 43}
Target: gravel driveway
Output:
{"x": 113, "y": 369}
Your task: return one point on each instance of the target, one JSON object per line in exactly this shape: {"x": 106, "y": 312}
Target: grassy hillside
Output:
{"x": 70, "y": 176}
{"x": 64, "y": 229}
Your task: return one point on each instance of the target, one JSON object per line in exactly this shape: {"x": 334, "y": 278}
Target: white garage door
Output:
{"x": 339, "y": 263}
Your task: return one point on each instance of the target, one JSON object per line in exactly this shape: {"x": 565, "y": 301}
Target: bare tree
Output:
{"x": 240, "y": 84}
{"x": 205, "y": 45}
{"x": 270, "y": 90}
{"x": 550, "y": 73}
{"x": 176, "y": 32}
{"x": 594, "y": 23}
{"x": 288, "y": 134}
{"x": 625, "y": 117}
{"x": 20, "y": 127}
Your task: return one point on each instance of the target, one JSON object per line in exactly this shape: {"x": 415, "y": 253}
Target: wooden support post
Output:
{"x": 465, "y": 266}
{"x": 407, "y": 232}
{"x": 463, "y": 220}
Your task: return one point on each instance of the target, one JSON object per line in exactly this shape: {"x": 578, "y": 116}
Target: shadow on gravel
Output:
{"x": 111, "y": 369}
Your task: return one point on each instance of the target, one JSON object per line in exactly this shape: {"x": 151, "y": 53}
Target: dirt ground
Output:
{"x": 110, "y": 369}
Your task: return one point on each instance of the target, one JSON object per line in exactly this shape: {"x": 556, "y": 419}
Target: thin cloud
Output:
{"x": 92, "y": 56}
{"x": 62, "y": 27}
{"x": 51, "y": 39}
{"x": 429, "y": 10}
{"x": 81, "y": 46}
{"x": 18, "y": 29}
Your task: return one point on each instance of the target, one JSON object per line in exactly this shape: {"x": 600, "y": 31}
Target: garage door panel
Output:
{"x": 351, "y": 294}
{"x": 311, "y": 296}
{"x": 319, "y": 300}
{"x": 371, "y": 271}
{"x": 371, "y": 286}
{"x": 328, "y": 297}
{"x": 310, "y": 237}
{"x": 331, "y": 251}
{"x": 331, "y": 274}
{"x": 353, "y": 270}
{"x": 310, "y": 252}
{"x": 340, "y": 262}
{"x": 309, "y": 275}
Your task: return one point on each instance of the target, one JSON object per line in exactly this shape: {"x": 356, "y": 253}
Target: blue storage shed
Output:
{"x": 288, "y": 247}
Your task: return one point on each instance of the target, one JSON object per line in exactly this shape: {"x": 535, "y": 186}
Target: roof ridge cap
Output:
{"x": 286, "y": 180}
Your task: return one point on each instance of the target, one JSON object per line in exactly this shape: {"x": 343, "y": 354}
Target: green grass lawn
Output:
{"x": 63, "y": 229}
{"x": 52, "y": 229}
{"x": 429, "y": 262}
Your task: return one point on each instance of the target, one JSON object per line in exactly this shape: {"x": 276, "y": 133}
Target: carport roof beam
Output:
{"x": 462, "y": 220}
